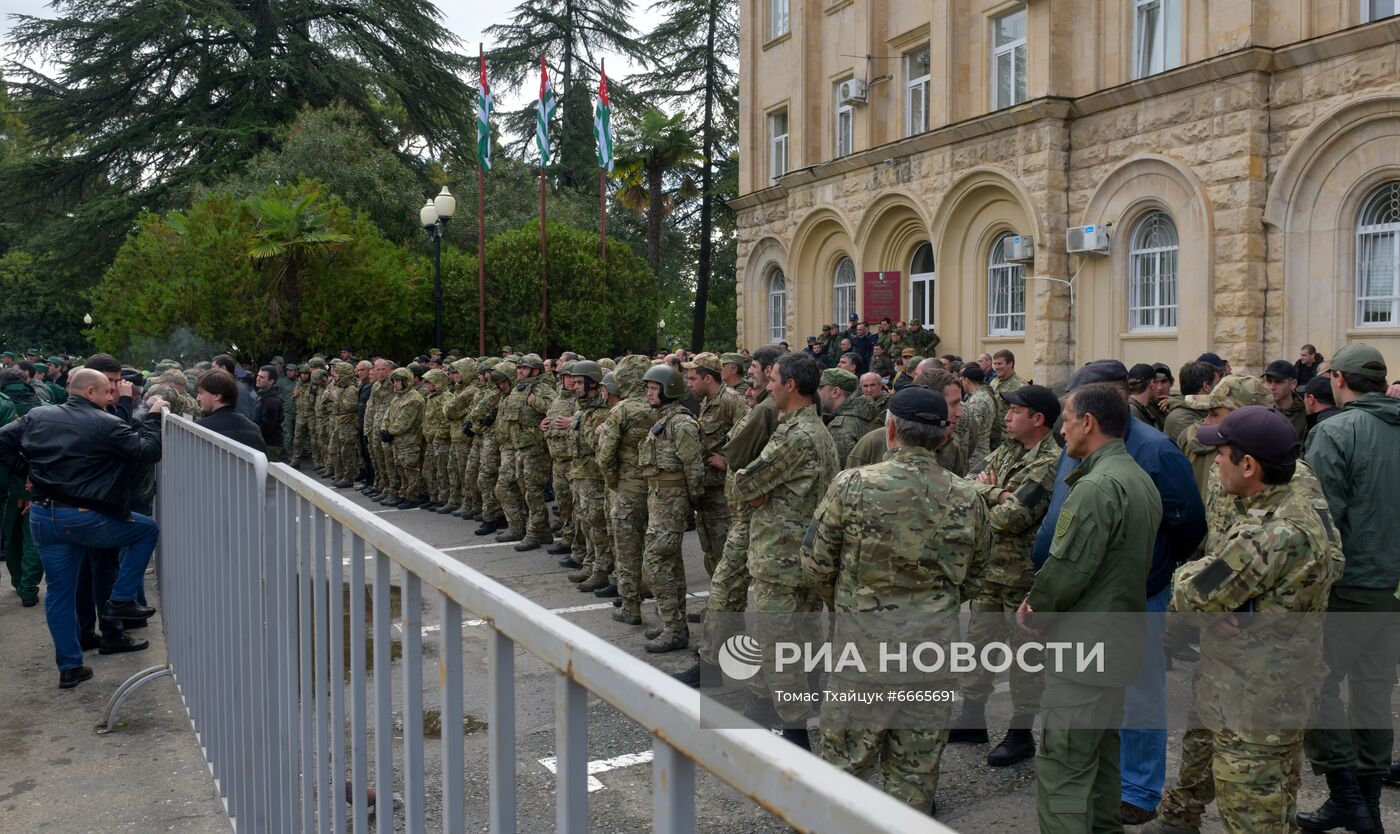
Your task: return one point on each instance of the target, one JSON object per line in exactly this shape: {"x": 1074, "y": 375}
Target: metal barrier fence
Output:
{"x": 256, "y": 563}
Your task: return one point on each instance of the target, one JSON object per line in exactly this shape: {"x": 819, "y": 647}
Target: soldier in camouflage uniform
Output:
{"x": 525, "y": 465}
{"x": 618, "y": 444}
{"x": 379, "y": 393}
{"x": 900, "y": 535}
{"x": 499, "y": 377}
{"x": 461, "y": 489}
{"x": 170, "y": 385}
{"x": 305, "y": 415}
{"x": 672, "y": 459}
{"x": 848, "y": 416}
{"x": 1004, "y": 363}
{"x": 988, "y": 420}
{"x": 734, "y": 371}
{"x": 325, "y": 420}
{"x": 1016, "y": 484}
{"x": 561, "y": 441}
{"x": 1280, "y": 557}
{"x": 345, "y": 426}
{"x": 1232, "y": 392}
{"x": 721, "y": 408}
{"x": 590, "y": 493}
{"x": 286, "y": 387}
{"x": 784, "y": 486}
{"x": 403, "y": 431}
{"x": 437, "y": 443}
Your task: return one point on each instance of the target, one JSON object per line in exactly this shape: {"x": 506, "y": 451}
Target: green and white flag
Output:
{"x": 602, "y": 123}
{"x": 483, "y": 118}
{"x": 545, "y": 110}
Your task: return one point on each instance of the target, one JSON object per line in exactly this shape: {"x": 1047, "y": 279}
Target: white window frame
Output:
{"x": 843, "y": 293}
{"x": 1017, "y": 49}
{"x": 1377, "y": 242}
{"x": 1163, "y": 45}
{"x": 1153, "y": 274}
{"x": 777, "y": 306}
{"x": 929, "y": 280}
{"x": 1367, "y": 15}
{"x": 1006, "y": 292}
{"x": 777, "y": 144}
{"x": 916, "y": 88}
{"x": 778, "y": 20}
{"x": 847, "y": 114}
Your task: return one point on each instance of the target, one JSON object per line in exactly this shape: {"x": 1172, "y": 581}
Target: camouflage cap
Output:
{"x": 1232, "y": 392}
{"x": 403, "y": 375}
{"x": 704, "y": 361}
{"x": 466, "y": 367}
{"x": 839, "y": 378}
{"x": 736, "y": 359}
{"x": 503, "y": 370}
{"x": 437, "y": 377}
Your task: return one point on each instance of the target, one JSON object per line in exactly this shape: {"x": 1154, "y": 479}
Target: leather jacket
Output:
{"x": 79, "y": 455}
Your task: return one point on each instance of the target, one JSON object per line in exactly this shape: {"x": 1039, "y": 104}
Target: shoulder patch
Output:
{"x": 1062, "y": 524}
{"x": 1211, "y": 578}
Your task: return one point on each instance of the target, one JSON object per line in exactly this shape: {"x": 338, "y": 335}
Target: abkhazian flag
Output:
{"x": 544, "y": 111}
{"x": 602, "y": 123}
{"x": 483, "y": 118}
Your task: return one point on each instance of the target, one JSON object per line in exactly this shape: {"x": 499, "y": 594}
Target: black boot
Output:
{"x": 1018, "y": 745}
{"x": 695, "y": 675}
{"x": 1345, "y": 806}
{"x": 798, "y": 736}
{"x": 970, "y": 727}
{"x": 1371, "y": 792}
{"x": 1393, "y": 778}
{"x": 486, "y": 528}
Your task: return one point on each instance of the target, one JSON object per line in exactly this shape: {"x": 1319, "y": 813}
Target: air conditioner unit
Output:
{"x": 851, "y": 91}
{"x": 1020, "y": 249}
{"x": 1086, "y": 239}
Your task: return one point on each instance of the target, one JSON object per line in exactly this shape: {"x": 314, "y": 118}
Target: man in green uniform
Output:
{"x": 1231, "y": 392}
{"x": 619, "y": 443}
{"x": 1279, "y": 557}
{"x": 1282, "y": 378}
{"x": 1098, "y": 565}
{"x": 987, "y": 419}
{"x": 345, "y": 430}
{"x": 498, "y": 376}
{"x": 462, "y": 497}
{"x": 1016, "y": 484}
{"x": 927, "y": 564}
{"x": 721, "y": 408}
{"x": 590, "y": 493}
{"x": 848, "y": 416}
{"x": 379, "y": 393}
{"x": 732, "y": 368}
{"x": 1006, "y": 381}
{"x": 437, "y": 443}
{"x": 402, "y": 429}
{"x": 525, "y": 470}
{"x": 286, "y": 381}
{"x": 560, "y": 440}
{"x": 784, "y": 486}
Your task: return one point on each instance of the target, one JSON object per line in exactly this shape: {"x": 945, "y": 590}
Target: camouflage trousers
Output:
{"x": 729, "y": 585}
{"x": 289, "y": 430}
{"x": 1253, "y": 778}
{"x": 520, "y": 490}
{"x": 993, "y": 621}
{"x": 408, "y": 459}
{"x": 628, "y": 521}
{"x": 488, "y": 470}
{"x": 712, "y": 521}
{"x": 471, "y": 492}
{"x": 775, "y": 604}
{"x": 908, "y": 759}
{"x": 435, "y": 454}
{"x": 377, "y": 460}
{"x": 591, "y": 524}
{"x": 301, "y": 437}
{"x": 345, "y": 450}
{"x": 458, "y": 450}
{"x": 668, "y": 511}
{"x": 564, "y": 500}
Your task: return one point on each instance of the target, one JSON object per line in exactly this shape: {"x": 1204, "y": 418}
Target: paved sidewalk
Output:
{"x": 58, "y": 775}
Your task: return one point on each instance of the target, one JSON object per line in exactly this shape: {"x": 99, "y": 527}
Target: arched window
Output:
{"x": 1152, "y": 257}
{"x": 1378, "y": 258}
{"x": 844, "y": 291}
{"x": 921, "y": 283}
{"x": 777, "y": 306}
{"x": 1006, "y": 292}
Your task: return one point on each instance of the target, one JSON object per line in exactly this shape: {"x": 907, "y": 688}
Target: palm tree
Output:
{"x": 659, "y": 146}
{"x": 287, "y": 234}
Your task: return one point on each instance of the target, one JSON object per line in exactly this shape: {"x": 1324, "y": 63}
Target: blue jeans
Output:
{"x": 65, "y": 537}
{"x": 1143, "y": 762}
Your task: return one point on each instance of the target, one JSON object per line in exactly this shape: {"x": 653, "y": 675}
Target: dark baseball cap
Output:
{"x": 1321, "y": 389}
{"x": 1099, "y": 370}
{"x": 1258, "y": 431}
{"x": 855, "y": 317}
{"x": 1142, "y": 372}
{"x": 921, "y": 405}
{"x": 1281, "y": 369}
{"x": 1037, "y": 398}
{"x": 1163, "y": 370}
{"x": 1214, "y": 359}
{"x": 974, "y": 372}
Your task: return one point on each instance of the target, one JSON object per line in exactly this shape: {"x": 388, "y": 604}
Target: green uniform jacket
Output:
{"x": 1297, "y": 414}
{"x": 1099, "y": 560}
{"x": 672, "y": 450}
{"x": 1148, "y": 414}
{"x": 1029, "y": 475}
{"x": 589, "y": 417}
{"x": 982, "y": 407}
{"x": 562, "y": 443}
{"x": 849, "y": 424}
{"x": 749, "y": 437}
{"x": 718, "y": 417}
{"x": 623, "y": 429}
{"x": 404, "y": 416}
{"x": 869, "y": 449}
{"x": 1180, "y": 417}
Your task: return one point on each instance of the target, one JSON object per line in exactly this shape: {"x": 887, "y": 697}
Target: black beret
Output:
{"x": 920, "y": 405}
{"x": 1100, "y": 370}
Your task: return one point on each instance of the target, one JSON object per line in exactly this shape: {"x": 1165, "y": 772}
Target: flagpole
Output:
{"x": 544, "y": 268}
{"x": 603, "y": 225}
{"x": 480, "y": 261}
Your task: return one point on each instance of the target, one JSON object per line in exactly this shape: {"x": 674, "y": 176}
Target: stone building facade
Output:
{"x": 1244, "y": 157}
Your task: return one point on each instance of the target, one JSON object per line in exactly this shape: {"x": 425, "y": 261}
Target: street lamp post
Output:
{"x": 433, "y": 217}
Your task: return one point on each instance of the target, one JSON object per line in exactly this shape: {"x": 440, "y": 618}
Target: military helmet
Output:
{"x": 532, "y": 360}
{"x": 488, "y": 363}
{"x": 317, "y": 362}
{"x": 588, "y": 369}
{"x": 567, "y": 368}
{"x": 402, "y": 374}
{"x": 466, "y": 367}
{"x": 607, "y": 364}
{"x": 672, "y": 386}
{"x": 610, "y": 385}
{"x": 317, "y": 375}
{"x": 437, "y": 378}
{"x": 503, "y": 371}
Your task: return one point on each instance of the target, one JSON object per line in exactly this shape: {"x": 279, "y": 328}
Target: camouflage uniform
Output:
{"x": 849, "y": 424}
{"x": 522, "y": 483}
{"x": 1001, "y": 386}
{"x": 1029, "y": 475}
{"x": 171, "y": 386}
{"x": 461, "y": 485}
{"x": 981, "y": 406}
{"x": 436, "y": 441}
{"x": 345, "y": 431}
{"x": 618, "y": 444}
{"x": 562, "y": 445}
{"x": 792, "y": 472}
{"x": 301, "y": 432}
{"x": 379, "y": 394}
{"x": 718, "y": 415}
{"x": 1232, "y": 392}
{"x": 1281, "y": 556}
{"x": 672, "y": 459}
{"x": 404, "y": 420}
{"x": 590, "y": 512}
{"x": 325, "y": 422}
{"x": 485, "y": 422}
{"x": 286, "y": 388}
{"x": 900, "y": 535}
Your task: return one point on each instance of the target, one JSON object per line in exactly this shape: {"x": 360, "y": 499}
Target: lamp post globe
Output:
{"x": 445, "y": 204}
{"x": 428, "y": 215}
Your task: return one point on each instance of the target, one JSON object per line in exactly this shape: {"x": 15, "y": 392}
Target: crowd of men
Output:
{"x": 864, "y": 474}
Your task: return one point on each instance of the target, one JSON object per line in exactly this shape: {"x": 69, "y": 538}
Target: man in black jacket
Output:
{"x": 217, "y": 395}
{"x": 81, "y": 462}
{"x": 267, "y": 412}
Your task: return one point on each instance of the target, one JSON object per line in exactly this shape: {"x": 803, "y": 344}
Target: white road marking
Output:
{"x": 573, "y": 609}
{"x": 391, "y": 510}
{"x": 471, "y": 547}
{"x": 602, "y": 766}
